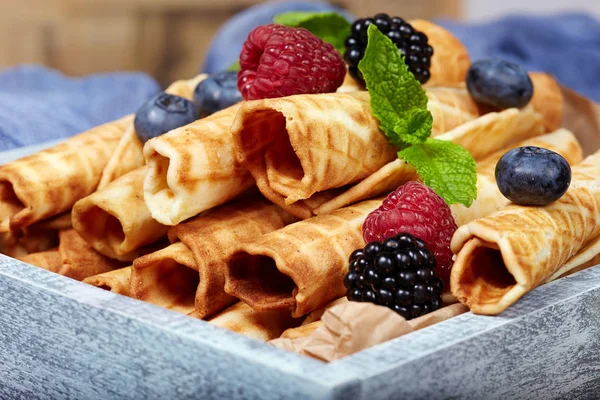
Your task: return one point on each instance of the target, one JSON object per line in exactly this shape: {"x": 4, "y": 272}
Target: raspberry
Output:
{"x": 278, "y": 61}
{"x": 416, "y": 209}
{"x": 398, "y": 273}
{"x": 412, "y": 43}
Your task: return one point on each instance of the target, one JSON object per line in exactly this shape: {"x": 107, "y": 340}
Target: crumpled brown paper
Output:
{"x": 350, "y": 327}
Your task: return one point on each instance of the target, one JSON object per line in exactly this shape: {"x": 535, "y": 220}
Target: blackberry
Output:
{"x": 412, "y": 43}
{"x": 398, "y": 273}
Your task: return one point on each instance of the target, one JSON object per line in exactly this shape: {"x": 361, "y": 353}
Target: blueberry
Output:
{"x": 217, "y": 92}
{"x": 499, "y": 83}
{"x": 532, "y": 176}
{"x": 163, "y": 113}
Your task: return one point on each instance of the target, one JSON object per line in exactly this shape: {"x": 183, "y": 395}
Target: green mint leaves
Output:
{"x": 447, "y": 168}
{"x": 329, "y": 26}
{"x": 400, "y": 104}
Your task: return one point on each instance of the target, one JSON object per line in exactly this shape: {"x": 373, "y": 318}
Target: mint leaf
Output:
{"x": 400, "y": 104}
{"x": 329, "y": 26}
{"x": 393, "y": 88}
{"x": 235, "y": 66}
{"x": 446, "y": 167}
{"x": 414, "y": 128}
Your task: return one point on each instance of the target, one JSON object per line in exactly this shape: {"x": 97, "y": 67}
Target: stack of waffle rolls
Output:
{"x": 189, "y": 274}
{"x": 246, "y": 218}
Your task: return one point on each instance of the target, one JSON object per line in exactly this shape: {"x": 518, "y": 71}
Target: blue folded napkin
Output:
{"x": 565, "y": 45}
{"x": 38, "y": 104}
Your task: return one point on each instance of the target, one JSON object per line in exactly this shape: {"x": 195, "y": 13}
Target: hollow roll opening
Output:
{"x": 158, "y": 195}
{"x": 256, "y": 280}
{"x": 102, "y": 230}
{"x": 267, "y": 129}
{"x": 10, "y": 204}
{"x": 487, "y": 280}
{"x": 167, "y": 283}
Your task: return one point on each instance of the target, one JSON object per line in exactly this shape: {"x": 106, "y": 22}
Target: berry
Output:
{"x": 499, "y": 83}
{"x": 532, "y": 176}
{"x": 412, "y": 43}
{"x": 402, "y": 278}
{"x": 418, "y": 210}
{"x": 278, "y": 61}
{"x": 217, "y": 92}
{"x": 162, "y": 113}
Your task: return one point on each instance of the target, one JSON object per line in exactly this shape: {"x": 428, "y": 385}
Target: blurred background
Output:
{"x": 169, "y": 39}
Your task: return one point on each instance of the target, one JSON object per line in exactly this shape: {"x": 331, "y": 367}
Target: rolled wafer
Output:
{"x": 193, "y": 169}
{"x": 210, "y": 238}
{"x": 501, "y": 257}
{"x": 260, "y": 325}
{"x": 116, "y": 281}
{"x": 482, "y": 137}
{"x": 115, "y": 220}
{"x": 49, "y": 260}
{"x": 49, "y": 182}
{"x": 128, "y": 154}
{"x": 450, "y": 61}
{"x": 79, "y": 260}
{"x": 299, "y": 268}
{"x": 547, "y": 99}
{"x": 168, "y": 278}
{"x": 35, "y": 238}
{"x": 314, "y": 143}
{"x": 489, "y": 198}
{"x": 214, "y": 236}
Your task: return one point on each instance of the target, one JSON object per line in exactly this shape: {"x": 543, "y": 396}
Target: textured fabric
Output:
{"x": 39, "y": 104}
{"x": 566, "y": 46}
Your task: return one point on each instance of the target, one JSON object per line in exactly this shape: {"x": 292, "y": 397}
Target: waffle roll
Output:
{"x": 299, "y": 268}
{"x": 260, "y": 325}
{"x": 489, "y": 198}
{"x": 482, "y": 137}
{"x": 115, "y": 220}
{"x": 167, "y": 277}
{"x": 501, "y": 257}
{"x": 128, "y": 154}
{"x": 450, "y": 60}
{"x": 314, "y": 143}
{"x": 116, "y": 281}
{"x": 50, "y": 181}
{"x": 214, "y": 236}
{"x": 189, "y": 275}
{"x": 193, "y": 168}
{"x": 50, "y": 260}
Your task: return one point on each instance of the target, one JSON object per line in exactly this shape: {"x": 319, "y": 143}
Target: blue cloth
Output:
{"x": 39, "y": 104}
{"x": 565, "y": 45}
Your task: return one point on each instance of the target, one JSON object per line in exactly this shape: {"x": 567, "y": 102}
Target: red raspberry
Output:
{"x": 278, "y": 61}
{"x": 418, "y": 210}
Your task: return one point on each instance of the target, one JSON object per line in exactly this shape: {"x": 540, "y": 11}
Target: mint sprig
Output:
{"x": 331, "y": 27}
{"x": 400, "y": 104}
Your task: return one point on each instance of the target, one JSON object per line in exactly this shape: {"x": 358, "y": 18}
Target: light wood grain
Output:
{"x": 165, "y": 38}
